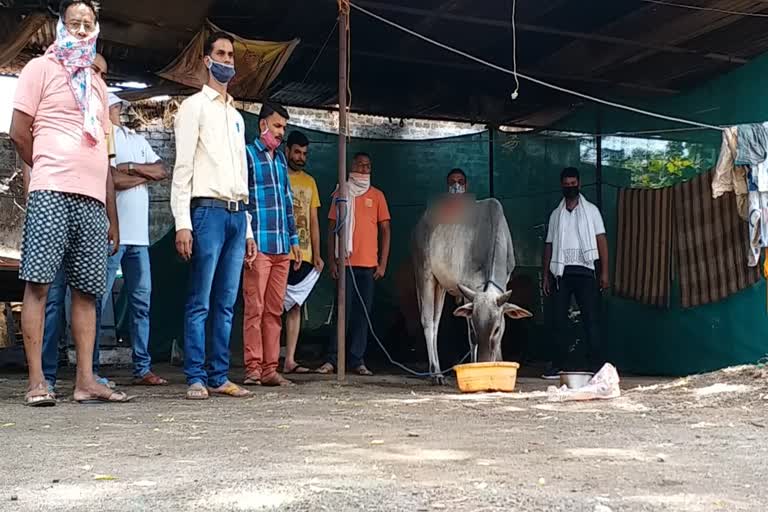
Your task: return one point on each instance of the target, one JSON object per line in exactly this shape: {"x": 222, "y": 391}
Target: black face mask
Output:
{"x": 571, "y": 192}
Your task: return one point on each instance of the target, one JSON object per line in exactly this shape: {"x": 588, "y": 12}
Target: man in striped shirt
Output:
{"x": 277, "y": 242}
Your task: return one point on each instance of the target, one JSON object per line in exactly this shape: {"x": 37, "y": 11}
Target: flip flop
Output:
{"x": 363, "y": 371}
{"x": 326, "y": 369}
{"x": 150, "y": 379}
{"x": 230, "y": 389}
{"x": 116, "y": 397}
{"x": 46, "y": 399}
{"x": 298, "y": 369}
{"x": 105, "y": 382}
{"x": 276, "y": 380}
{"x": 197, "y": 392}
{"x": 252, "y": 380}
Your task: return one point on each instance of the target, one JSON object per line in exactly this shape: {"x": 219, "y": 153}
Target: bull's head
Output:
{"x": 486, "y": 310}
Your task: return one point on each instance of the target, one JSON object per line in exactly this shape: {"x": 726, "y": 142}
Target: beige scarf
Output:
{"x": 357, "y": 185}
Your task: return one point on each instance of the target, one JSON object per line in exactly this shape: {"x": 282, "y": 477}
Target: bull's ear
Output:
{"x": 464, "y": 311}
{"x": 515, "y": 312}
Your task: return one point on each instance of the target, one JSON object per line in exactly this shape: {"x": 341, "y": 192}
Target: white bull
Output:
{"x": 470, "y": 255}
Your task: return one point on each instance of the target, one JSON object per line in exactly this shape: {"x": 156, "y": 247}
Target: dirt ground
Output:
{"x": 391, "y": 443}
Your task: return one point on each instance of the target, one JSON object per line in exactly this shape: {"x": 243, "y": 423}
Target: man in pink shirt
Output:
{"x": 59, "y": 126}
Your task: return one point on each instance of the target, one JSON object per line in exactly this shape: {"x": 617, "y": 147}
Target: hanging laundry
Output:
{"x": 729, "y": 177}
{"x": 712, "y": 254}
{"x": 644, "y": 246}
{"x": 758, "y": 215}
{"x": 752, "y": 147}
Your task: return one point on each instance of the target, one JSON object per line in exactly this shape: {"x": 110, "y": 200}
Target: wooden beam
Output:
{"x": 534, "y": 11}
{"x": 708, "y": 22}
{"x": 539, "y": 29}
{"x": 532, "y": 72}
{"x": 675, "y": 29}
{"x": 341, "y": 200}
{"x": 428, "y": 22}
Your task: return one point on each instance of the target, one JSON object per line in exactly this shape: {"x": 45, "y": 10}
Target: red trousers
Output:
{"x": 264, "y": 291}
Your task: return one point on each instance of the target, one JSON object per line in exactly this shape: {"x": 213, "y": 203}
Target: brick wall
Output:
{"x": 11, "y": 192}
{"x": 154, "y": 120}
{"x": 373, "y": 127}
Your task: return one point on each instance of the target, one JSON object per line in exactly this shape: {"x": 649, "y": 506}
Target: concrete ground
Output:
{"x": 392, "y": 443}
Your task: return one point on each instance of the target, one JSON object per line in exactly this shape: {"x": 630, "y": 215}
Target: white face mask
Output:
{"x": 457, "y": 188}
{"x": 360, "y": 178}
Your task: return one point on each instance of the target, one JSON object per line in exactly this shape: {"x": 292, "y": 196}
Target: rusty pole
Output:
{"x": 341, "y": 212}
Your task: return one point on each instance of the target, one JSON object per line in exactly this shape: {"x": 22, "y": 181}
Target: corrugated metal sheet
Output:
{"x": 612, "y": 48}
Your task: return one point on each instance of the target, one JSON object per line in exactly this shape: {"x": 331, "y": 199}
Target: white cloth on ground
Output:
{"x": 604, "y": 385}
{"x": 296, "y": 294}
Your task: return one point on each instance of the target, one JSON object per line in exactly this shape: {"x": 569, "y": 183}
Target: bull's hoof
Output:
{"x": 439, "y": 380}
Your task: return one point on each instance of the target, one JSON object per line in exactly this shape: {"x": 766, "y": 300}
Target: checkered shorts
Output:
{"x": 65, "y": 229}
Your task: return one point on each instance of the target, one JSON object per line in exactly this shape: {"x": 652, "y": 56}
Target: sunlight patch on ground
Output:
{"x": 566, "y": 408}
{"x": 736, "y": 369}
{"x": 689, "y": 502}
{"x": 68, "y": 494}
{"x": 327, "y": 447}
{"x": 404, "y": 453}
{"x": 406, "y": 401}
{"x": 610, "y": 453}
{"x": 472, "y": 397}
{"x": 716, "y": 389}
{"x": 245, "y": 500}
{"x": 489, "y": 397}
{"x": 677, "y": 383}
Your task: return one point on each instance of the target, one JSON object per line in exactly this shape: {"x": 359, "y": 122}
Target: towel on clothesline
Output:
{"x": 586, "y": 233}
{"x": 752, "y": 147}
{"x": 712, "y": 251}
{"x": 644, "y": 246}
{"x": 729, "y": 177}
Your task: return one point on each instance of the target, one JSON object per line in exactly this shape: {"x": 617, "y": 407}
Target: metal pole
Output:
{"x": 341, "y": 212}
{"x": 491, "y": 137}
{"x": 599, "y": 160}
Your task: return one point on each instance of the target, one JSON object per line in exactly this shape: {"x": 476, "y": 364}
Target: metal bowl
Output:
{"x": 575, "y": 380}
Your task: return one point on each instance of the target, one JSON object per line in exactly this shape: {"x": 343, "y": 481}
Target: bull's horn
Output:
{"x": 469, "y": 294}
{"x": 503, "y": 298}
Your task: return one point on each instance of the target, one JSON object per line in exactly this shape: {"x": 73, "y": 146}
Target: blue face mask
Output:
{"x": 221, "y": 72}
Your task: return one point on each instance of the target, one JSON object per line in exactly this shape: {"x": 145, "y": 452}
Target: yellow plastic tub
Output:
{"x": 477, "y": 377}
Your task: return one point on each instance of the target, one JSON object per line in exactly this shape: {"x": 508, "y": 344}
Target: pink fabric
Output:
{"x": 64, "y": 160}
{"x": 77, "y": 56}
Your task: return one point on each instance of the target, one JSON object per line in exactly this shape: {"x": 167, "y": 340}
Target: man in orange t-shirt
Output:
{"x": 369, "y": 224}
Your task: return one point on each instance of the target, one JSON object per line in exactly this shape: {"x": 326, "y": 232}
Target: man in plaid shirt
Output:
{"x": 277, "y": 243}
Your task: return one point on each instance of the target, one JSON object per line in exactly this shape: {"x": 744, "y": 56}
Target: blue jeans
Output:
{"x": 138, "y": 285}
{"x": 356, "y": 321}
{"x": 57, "y": 304}
{"x": 218, "y": 251}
